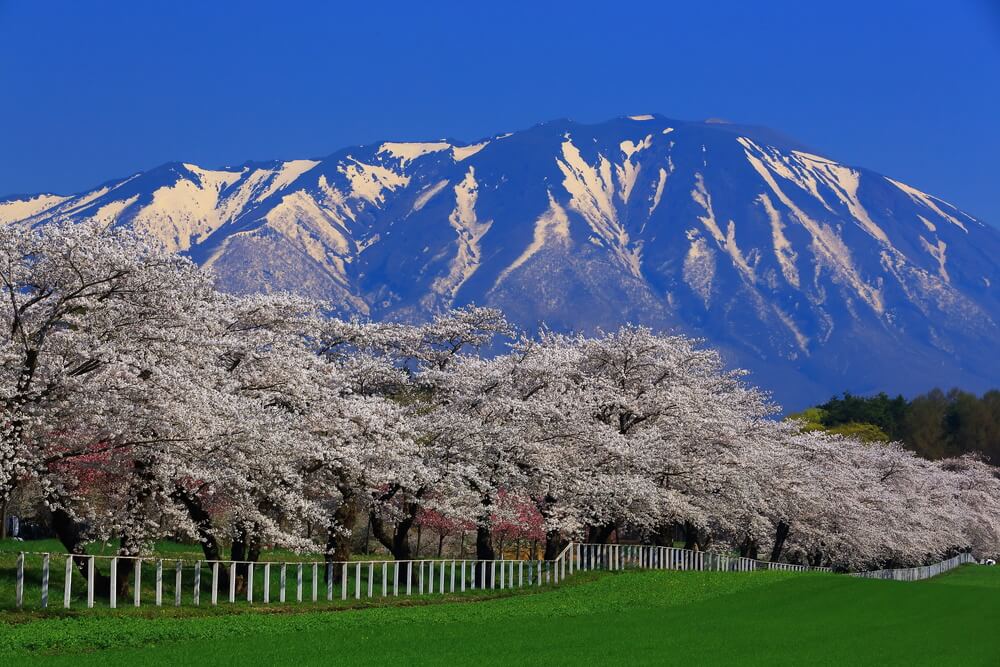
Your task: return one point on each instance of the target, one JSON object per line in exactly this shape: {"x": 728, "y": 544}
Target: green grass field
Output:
{"x": 764, "y": 618}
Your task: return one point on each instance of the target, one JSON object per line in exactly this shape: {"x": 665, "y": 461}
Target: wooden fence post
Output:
{"x": 68, "y": 582}
{"x": 159, "y": 582}
{"x": 113, "y": 598}
{"x": 45, "y": 581}
{"x": 343, "y": 582}
{"x": 90, "y": 582}
{"x": 19, "y": 581}
{"x": 197, "y": 583}
{"x": 137, "y": 584}
{"x": 178, "y": 582}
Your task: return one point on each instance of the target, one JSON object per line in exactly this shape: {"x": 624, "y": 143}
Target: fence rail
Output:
{"x": 232, "y": 582}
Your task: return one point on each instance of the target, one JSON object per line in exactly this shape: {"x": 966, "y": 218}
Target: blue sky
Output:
{"x": 93, "y": 91}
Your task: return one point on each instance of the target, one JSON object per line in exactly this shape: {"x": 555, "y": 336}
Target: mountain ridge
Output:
{"x": 816, "y": 275}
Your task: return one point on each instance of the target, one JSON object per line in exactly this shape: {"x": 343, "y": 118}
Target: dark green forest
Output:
{"x": 936, "y": 425}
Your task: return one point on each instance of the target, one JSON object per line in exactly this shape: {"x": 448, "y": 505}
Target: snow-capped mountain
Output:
{"x": 816, "y": 275}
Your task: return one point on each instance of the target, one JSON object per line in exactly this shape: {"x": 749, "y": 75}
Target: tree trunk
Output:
{"x": 749, "y": 548}
{"x": 554, "y": 543}
{"x": 663, "y": 536}
{"x": 780, "y": 535}
{"x": 484, "y": 551}
{"x": 202, "y": 521}
{"x": 690, "y": 536}
{"x": 339, "y": 533}
{"x": 396, "y": 539}
{"x": 601, "y": 534}
{"x": 71, "y": 536}
{"x": 245, "y": 550}
{"x": 3, "y": 516}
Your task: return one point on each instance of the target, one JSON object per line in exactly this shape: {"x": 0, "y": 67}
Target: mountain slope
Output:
{"x": 815, "y": 275}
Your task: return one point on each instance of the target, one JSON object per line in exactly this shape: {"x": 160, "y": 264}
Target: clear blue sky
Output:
{"x": 95, "y": 90}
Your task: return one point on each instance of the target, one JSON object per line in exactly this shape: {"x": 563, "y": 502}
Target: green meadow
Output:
{"x": 653, "y": 617}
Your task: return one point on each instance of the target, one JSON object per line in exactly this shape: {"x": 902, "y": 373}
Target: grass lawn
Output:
{"x": 764, "y": 618}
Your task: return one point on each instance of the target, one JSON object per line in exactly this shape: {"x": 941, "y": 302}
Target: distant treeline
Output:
{"x": 936, "y": 425}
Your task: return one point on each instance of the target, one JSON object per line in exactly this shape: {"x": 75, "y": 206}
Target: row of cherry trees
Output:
{"x": 138, "y": 401}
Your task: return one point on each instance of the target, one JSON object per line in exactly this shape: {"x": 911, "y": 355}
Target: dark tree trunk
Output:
{"x": 246, "y": 550}
{"x": 553, "y": 540}
{"x": 3, "y": 516}
{"x": 71, "y": 536}
{"x": 749, "y": 548}
{"x": 202, "y": 521}
{"x": 663, "y": 536}
{"x": 780, "y": 535}
{"x": 484, "y": 551}
{"x": 554, "y": 543}
{"x": 339, "y": 533}
{"x": 601, "y": 534}
{"x": 397, "y": 537}
{"x": 690, "y": 536}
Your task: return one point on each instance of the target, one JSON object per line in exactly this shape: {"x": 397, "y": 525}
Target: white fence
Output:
{"x": 231, "y": 582}
{"x": 219, "y": 582}
{"x": 579, "y": 556}
{"x": 918, "y": 573}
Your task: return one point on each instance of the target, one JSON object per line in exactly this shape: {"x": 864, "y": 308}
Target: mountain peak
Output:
{"x": 817, "y": 276}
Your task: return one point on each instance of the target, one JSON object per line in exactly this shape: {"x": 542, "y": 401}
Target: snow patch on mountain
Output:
{"x": 469, "y": 231}
{"x": 464, "y": 152}
{"x": 406, "y": 152}
{"x": 827, "y": 246}
{"x": 14, "y": 210}
{"x": 592, "y": 191}
{"x": 783, "y": 252}
{"x": 928, "y": 201}
{"x": 551, "y": 227}
{"x": 428, "y": 193}
{"x": 370, "y": 181}
{"x": 661, "y": 182}
{"x": 699, "y": 266}
{"x": 286, "y": 174}
{"x": 843, "y": 182}
{"x": 727, "y": 241}
{"x": 937, "y": 251}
